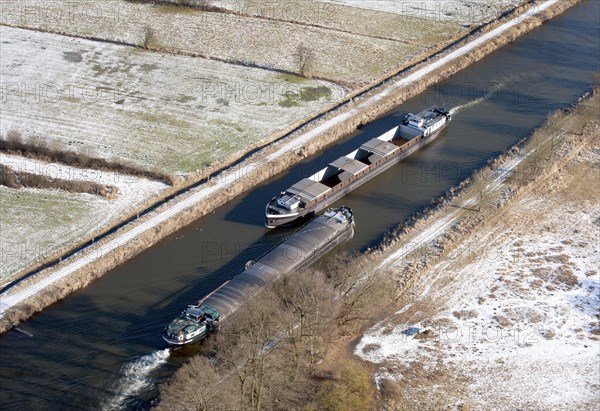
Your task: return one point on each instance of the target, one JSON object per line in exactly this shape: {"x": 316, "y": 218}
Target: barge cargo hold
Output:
{"x": 318, "y": 191}
{"x": 307, "y": 245}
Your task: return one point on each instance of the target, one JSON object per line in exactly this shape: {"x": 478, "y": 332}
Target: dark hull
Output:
{"x": 171, "y": 341}
{"x": 301, "y": 250}
{"x": 307, "y": 245}
{"x": 285, "y": 221}
{"x": 328, "y": 245}
{"x": 342, "y": 190}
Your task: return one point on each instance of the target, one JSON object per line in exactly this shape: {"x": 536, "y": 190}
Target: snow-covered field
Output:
{"x": 460, "y": 11}
{"x": 511, "y": 318}
{"x": 157, "y": 110}
{"x": 338, "y": 55}
{"x": 36, "y": 223}
{"x": 342, "y": 16}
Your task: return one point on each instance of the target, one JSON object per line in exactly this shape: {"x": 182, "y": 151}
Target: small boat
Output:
{"x": 312, "y": 194}
{"x": 193, "y": 324}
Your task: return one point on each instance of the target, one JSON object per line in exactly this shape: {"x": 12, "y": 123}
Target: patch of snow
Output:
{"x": 507, "y": 319}
{"x": 462, "y": 11}
{"x": 24, "y": 241}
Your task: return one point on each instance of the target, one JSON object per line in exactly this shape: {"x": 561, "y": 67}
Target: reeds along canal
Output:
{"x": 103, "y": 344}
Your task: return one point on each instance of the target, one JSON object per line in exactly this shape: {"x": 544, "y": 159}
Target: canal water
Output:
{"x": 102, "y": 348}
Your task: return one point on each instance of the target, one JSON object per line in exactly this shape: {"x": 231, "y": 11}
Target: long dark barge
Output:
{"x": 308, "y": 244}
{"x": 313, "y": 194}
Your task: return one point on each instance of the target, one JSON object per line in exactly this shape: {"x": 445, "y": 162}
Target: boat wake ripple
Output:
{"x": 466, "y": 105}
{"x": 490, "y": 93}
{"x": 27, "y": 333}
{"x": 135, "y": 378}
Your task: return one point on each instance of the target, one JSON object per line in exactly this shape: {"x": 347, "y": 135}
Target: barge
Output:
{"x": 308, "y": 244}
{"x": 318, "y": 191}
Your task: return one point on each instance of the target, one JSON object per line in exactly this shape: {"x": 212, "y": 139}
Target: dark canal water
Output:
{"x": 102, "y": 346}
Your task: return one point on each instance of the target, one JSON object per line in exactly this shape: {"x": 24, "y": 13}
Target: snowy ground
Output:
{"x": 36, "y": 223}
{"x": 157, "y": 110}
{"x": 460, "y": 11}
{"x": 510, "y": 319}
{"x": 337, "y": 54}
{"x": 343, "y": 16}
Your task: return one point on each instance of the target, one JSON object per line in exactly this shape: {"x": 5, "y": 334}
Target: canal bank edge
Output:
{"x": 471, "y": 222}
{"x": 94, "y": 262}
{"x": 519, "y": 179}
{"x": 190, "y": 181}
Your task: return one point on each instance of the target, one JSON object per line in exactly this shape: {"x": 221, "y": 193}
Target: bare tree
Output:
{"x": 362, "y": 293}
{"x": 149, "y": 37}
{"x": 483, "y": 187}
{"x": 305, "y": 57}
{"x": 201, "y": 390}
{"x": 309, "y": 297}
{"x": 552, "y": 136}
{"x": 249, "y": 345}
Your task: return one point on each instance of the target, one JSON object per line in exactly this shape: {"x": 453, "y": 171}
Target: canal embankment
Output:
{"x": 116, "y": 248}
{"x": 499, "y": 198}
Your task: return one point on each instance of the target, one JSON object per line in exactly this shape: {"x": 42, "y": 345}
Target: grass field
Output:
{"x": 463, "y": 12}
{"x": 46, "y": 211}
{"x": 37, "y": 223}
{"x": 336, "y": 15}
{"x": 347, "y": 45}
{"x": 176, "y": 113}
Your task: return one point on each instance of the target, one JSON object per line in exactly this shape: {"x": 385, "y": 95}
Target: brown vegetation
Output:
{"x": 578, "y": 131}
{"x": 20, "y": 179}
{"x": 35, "y": 147}
{"x": 274, "y": 353}
{"x": 351, "y": 390}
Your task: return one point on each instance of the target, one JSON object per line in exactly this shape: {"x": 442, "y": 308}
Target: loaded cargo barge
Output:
{"x": 318, "y": 191}
{"x": 303, "y": 248}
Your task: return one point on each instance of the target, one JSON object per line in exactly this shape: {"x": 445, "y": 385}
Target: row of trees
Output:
{"x": 52, "y": 151}
{"x": 19, "y": 179}
{"x": 280, "y": 352}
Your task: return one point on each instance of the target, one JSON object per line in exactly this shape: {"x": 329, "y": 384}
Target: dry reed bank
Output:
{"x": 507, "y": 296}
{"x": 254, "y": 175}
